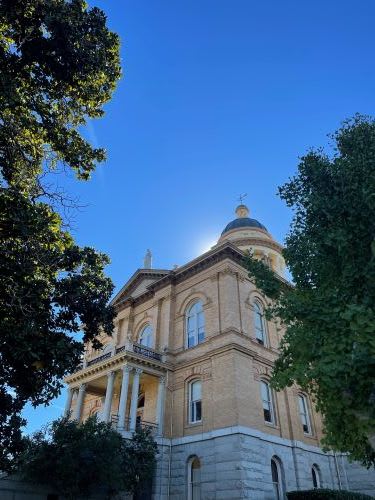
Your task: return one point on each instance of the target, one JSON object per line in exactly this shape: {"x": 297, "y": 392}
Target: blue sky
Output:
{"x": 218, "y": 98}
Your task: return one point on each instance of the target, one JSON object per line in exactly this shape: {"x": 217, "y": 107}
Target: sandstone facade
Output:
{"x": 225, "y": 443}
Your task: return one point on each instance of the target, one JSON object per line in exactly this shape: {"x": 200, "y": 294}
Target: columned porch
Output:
{"x": 128, "y": 393}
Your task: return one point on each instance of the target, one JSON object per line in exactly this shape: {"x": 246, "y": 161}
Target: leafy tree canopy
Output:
{"x": 80, "y": 459}
{"x": 329, "y": 315}
{"x": 59, "y": 64}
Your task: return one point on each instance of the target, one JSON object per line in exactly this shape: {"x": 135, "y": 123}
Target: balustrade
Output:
{"x": 130, "y": 347}
{"x": 140, "y": 424}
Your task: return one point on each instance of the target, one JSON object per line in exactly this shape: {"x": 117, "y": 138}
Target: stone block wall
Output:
{"x": 236, "y": 464}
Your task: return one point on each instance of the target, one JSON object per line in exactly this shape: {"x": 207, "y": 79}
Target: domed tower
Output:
{"x": 250, "y": 234}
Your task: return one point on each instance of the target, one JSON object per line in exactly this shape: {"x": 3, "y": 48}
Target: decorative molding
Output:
{"x": 140, "y": 322}
{"x": 218, "y": 254}
{"x": 261, "y": 371}
{"x": 256, "y": 295}
{"x": 228, "y": 270}
{"x": 271, "y": 244}
{"x": 241, "y": 277}
{"x": 193, "y": 295}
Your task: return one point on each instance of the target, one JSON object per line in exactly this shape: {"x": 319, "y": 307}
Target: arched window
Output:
{"x": 277, "y": 479}
{"x": 195, "y": 401}
{"x": 315, "y": 473}
{"x": 146, "y": 336}
{"x": 304, "y": 413}
{"x": 260, "y": 326}
{"x": 195, "y": 324}
{"x": 194, "y": 479}
{"x": 266, "y": 396}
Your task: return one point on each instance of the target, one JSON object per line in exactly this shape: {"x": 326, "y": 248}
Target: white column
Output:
{"x": 108, "y": 397}
{"x": 160, "y": 405}
{"x": 68, "y": 403}
{"x": 79, "y": 403}
{"x": 134, "y": 400}
{"x": 126, "y": 369}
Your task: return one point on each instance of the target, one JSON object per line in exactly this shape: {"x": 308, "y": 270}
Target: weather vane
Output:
{"x": 241, "y": 198}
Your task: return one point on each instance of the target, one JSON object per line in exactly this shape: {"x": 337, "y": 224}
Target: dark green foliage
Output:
{"x": 329, "y": 315}
{"x": 50, "y": 289}
{"x": 323, "y": 494}
{"x": 59, "y": 64}
{"x": 77, "y": 460}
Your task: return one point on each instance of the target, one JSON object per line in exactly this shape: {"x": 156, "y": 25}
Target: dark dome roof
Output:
{"x": 243, "y": 222}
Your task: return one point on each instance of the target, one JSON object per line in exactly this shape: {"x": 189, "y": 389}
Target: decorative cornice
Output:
{"x": 226, "y": 250}
{"x": 115, "y": 363}
{"x": 260, "y": 242}
{"x": 201, "y": 263}
{"x": 138, "y": 276}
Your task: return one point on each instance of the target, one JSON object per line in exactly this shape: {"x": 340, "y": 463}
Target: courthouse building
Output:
{"x": 191, "y": 357}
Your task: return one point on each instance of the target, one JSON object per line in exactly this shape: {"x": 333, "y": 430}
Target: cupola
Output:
{"x": 250, "y": 234}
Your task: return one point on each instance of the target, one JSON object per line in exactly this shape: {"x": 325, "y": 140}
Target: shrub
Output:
{"x": 78, "y": 459}
{"x": 324, "y": 494}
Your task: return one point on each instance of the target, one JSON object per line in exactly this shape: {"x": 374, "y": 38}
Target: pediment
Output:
{"x": 138, "y": 283}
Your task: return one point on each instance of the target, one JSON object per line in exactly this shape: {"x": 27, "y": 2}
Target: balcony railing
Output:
{"x": 140, "y": 424}
{"x": 139, "y": 349}
{"x": 99, "y": 358}
{"x": 146, "y": 351}
{"x": 128, "y": 347}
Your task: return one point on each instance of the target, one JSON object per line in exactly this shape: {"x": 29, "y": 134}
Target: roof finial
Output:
{"x": 241, "y": 197}
{"x": 242, "y": 211}
{"x": 147, "y": 261}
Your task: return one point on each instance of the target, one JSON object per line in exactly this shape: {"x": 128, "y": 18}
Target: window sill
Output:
{"x": 309, "y": 435}
{"x": 273, "y": 426}
{"x": 265, "y": 346}
{"x": 187, "y": 348}
{"x": 190, "y": 425}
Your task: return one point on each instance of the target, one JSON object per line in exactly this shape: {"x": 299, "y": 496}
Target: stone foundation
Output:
{"x": 236, "y": 464}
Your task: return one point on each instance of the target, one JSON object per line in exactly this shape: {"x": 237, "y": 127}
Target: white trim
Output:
{"x": 259, "y": 311}
{"x": 269, "y": 402}
{"x": 279, "y": 484}
{"x": 304, "y": 413}
{"x": 195, "y": 317}
{"x": 193, "y": 402}
{"x": 189, "y": 481}
{"x": 145, "y": 336}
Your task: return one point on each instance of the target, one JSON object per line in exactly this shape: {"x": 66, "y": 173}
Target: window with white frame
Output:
{"x": 277, "y": 479}
{"x": 195, "y": 324}
{"x": 315, "y": 473}
{"x": 304, "y": 413}
{"x": 146, "y": 336}
{"x": 194, "y": 479}
{"x": 195, "y": 401}
{"x": 266, "y": 396}
{"x": 259, "y": 322}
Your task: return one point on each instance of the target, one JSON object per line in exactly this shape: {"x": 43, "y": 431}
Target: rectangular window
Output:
{"x": 266, "y": 396}
{"x": 259, "y": 324}
{"x": 304, "y": 414}
{"x": 195, "y": 403}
